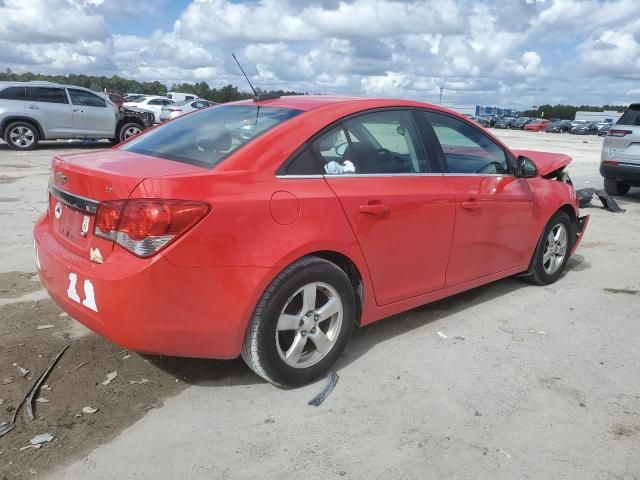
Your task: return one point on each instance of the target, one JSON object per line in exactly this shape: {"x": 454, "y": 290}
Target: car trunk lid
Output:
{"x": 79, "y": 182}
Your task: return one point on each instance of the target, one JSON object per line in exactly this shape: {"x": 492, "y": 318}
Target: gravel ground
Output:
{"x": 531, "y": 382}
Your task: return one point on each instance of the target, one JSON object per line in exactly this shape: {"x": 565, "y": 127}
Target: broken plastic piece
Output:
{"x": 36, "y": 386}
{"x": 110, "y": 377}
{"x": 586, "y": 194}
{"x": 42, "y": 438}
{"x": 89, "y": 410}
{"x": 332, "y": 378}
{"x": 42, "y": 400}
{"x": 142, "y": 381}
{"x": 442, "y": 334}
{"x": 23, "y": 371}
{"x": 44, "y": 327}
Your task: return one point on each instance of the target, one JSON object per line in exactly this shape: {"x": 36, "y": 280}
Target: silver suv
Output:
{"x": 620, "y": 165}
{"x": 34, "y": 111}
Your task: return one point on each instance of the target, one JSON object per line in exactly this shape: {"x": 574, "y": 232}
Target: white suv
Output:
{"x": 34, "y": 111}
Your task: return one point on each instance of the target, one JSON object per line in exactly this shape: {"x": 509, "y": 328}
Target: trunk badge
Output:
{"x": 85, "y": 226}
{"x": 109, "y": 189}
{"x": 61, "y": 178}
{"x": 57, "y": 211}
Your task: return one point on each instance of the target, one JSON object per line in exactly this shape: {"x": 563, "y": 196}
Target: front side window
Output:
{"x": 13, "y": 93}
{"x": 46, "y": 94}
{"x": 466, "y": 149}
{"x": 87, "y": 99}
{"x": 156, "y": 101}
{"x": 206, "y": 137}
{"x": 384, "y": 142}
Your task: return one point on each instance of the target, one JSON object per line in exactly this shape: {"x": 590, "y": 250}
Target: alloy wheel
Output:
{"x": 555, "y": 248}
{"x": 22, "y": 137}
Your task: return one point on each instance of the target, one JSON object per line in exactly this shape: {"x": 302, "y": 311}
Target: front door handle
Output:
{"x": 33, "y": 107}
{"x": 76, "y": 110}
{"x": 471, "y": 205}
{"x": 374, "y": 209}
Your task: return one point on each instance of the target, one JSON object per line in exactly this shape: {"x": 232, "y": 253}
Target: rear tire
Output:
{"x": 615, "y": 187}
{"x": 21, "y": 136}
{"x": 553, "y": 252}
{"x": 301, "y": 324}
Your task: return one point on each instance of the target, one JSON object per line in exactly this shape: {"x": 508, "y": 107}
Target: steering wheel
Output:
{"x": 492, "y": 167}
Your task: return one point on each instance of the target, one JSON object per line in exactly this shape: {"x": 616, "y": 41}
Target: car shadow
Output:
{"x": 62, "y": 145}
{"x": 632, "y": 197}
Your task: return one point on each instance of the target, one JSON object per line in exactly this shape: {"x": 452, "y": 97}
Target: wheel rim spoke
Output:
{"x": 309, "y": 298}
{"x": 296, "y": 349}
{"x": 321, "y": 342}
{"x": 328, "y": 310}
{"x": 288, "y": 322}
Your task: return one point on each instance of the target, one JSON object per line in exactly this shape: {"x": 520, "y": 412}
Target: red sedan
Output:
{"x": 537, "y": 125}
{"x": 269, "y": 228}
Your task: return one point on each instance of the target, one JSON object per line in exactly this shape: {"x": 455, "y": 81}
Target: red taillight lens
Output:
{"x": 619, "y": 133}
{"x": 146, "y": 226}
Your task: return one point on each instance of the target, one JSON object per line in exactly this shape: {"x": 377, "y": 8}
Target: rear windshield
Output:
{"x": 206, "y": 137}
{"x": 631, "y": 116}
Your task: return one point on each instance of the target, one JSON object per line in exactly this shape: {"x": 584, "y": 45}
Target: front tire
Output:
{"x": 301, "y": 324}
{"x": 128, "y": 130}
{"x": 21, "y": 136}
{"x": 553, "y": 253}
{"x": 615, "y": 187}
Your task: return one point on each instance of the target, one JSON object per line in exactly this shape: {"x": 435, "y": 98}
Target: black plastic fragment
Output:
{"x": 585, "y": 195}
{"x": 332, "y": 378}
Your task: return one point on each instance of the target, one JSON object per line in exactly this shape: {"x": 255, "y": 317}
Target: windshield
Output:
{"x": 205, "y": 138}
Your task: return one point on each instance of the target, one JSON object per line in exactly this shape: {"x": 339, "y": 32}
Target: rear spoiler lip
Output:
{"x": 74, "y": 201}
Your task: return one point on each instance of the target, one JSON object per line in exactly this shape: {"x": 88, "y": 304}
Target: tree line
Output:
{"x": 568, "y": 112}
{"x": 119, "y": 85}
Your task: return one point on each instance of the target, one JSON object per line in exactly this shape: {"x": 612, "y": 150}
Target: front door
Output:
{"x": 494, "y": 209}
{"x": 401, "y": 212}
{"x": 93, "y": 116}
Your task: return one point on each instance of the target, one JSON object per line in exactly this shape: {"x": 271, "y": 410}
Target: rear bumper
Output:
{"x": 151, "y": 306}
{"x": 621, "y": 171}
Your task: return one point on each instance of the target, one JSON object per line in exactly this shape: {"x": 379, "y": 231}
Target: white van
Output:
{"x": 181, "y": 97}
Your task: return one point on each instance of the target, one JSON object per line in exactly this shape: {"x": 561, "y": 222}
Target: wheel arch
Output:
{"x": 17, "y": 118}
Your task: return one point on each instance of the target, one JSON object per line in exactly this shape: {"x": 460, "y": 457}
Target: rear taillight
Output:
{"x": 619, "y": 133}
{"x": 144, "y": 226}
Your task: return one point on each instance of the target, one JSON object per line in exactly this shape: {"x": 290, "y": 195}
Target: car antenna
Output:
{"x": 256, "y": 96}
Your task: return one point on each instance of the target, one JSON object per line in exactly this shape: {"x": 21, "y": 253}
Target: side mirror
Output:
{"x": 525, "y": 168}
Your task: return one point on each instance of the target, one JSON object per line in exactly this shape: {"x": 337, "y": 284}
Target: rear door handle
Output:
{"x": 76, "y": 110}
{"x": 374, "y": 209}
{"x": 471, "y": 205}
{"x": 33, "y": 107}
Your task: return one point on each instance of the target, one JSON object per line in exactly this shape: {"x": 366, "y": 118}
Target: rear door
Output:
{"x": 50, "y": 107}
{"x": 624, "y": 137}
{"x": 399, "y": 207}
{"x": 93, "y": 116}
{"x": 494, "y": 209}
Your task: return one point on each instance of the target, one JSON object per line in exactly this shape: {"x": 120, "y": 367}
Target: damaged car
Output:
{"x": 270, "y": 228}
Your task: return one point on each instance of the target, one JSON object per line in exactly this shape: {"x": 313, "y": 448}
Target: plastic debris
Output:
{"x": 42, "y": 438}
{"x": 89, "y": 410}
{"x": 44, "y": 327}
{"x": 332, "y": 378}
{"x": 30, "y": 446}
{"x": 64, "y": 314}
{"x": 36, "y": 386}
{"x": 7, "y": 380}
{"x": 1, "y": 401}
{"x": 538, "y": 332}
{"x": 110, "y": 377}
{"x": 126, "y": 356}
{"x": 42, "y": 400}
{"x": 142, "y": 381}
{"x": 6, "y": 428}
{"x": 442, "y": 334}
{"x": 23, "y": 371}
{"x": 508, "y": 455}
{"x": 586, "y": 194}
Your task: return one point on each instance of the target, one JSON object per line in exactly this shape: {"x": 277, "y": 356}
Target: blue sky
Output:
{"x": 489, "y": 52}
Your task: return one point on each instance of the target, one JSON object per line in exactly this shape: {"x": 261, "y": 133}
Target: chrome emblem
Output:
{"x": 85, "y": 226}
{"x": 57, "y": 211}
{"x": 61, "y": 178}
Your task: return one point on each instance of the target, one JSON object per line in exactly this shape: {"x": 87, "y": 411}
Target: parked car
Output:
{"x": 34, "y": 111}
{"x": 536, "y": 125}
{"x": 180, "y": 108}
{"x": 504, "y": 122}
{"x": 520, "y": 122}
{"x": 620, "y": 165}
{"x": 114, "y": 98}
{"x": 559, "y": 126}
{"x": 152, "y": 103}
{"x": 130, "y": 97}
{"x": 182, "y": 97}
{"x": 196, "y": 239}
{"x": 604, "y": 129}
{"x": 480, "y": 120}
{"x": 585, "y": 129}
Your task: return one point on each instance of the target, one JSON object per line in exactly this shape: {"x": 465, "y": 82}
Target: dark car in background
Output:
{"x": 559, "y": 126}
{"x": 585, "y": 129}
{"x": 504, "y": 122}
{"x": 520, "y": 122}
{"x": 604, "y": 129}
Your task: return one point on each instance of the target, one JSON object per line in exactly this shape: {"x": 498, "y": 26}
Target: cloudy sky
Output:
{"x": 492, "y": 52}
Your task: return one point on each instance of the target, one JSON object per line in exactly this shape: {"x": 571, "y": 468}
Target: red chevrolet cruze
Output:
{"x": 269, "y": 228}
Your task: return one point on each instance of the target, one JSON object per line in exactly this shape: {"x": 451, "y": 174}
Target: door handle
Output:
{"x": 471, "y": 204}
{"x": 374, "y": 209}
{"x": 33, "y": 107}
{"x": 77, "y": 110}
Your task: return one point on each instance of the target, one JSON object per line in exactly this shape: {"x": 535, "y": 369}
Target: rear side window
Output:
{"x": 466, "y": 148}
{"x": 206, "y": 137}
{"x": 303, "y": 163}
{"x": 87, "y": 99}
{"x": 47, "y": 94}
{"x": 13, "y": 93}
{"x": 631, "y": 116}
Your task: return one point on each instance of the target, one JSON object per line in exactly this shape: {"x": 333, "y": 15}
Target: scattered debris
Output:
{"x": 442, "y": 334}
{"x": 23, "y": 371}
{"x": 1, "y": 401}
{"x": 30, "y": 446}
{"x": 504, "y": 453}
{"x": 332, "y": 378}
{"x": 459, "y": 338}
{"x": 126, "y": 356}
{"x": 44, "y": 327}
{"x": 81, "y": 365}
{"x": 6, "y": 428}
{"x": 36, "y": 386}
{"x": 582, "y": 404}
{"x": 270, "y": 420}
{"x": 538, "y": 332}
{"x": 42, "y": 400}
{"x": 586, "y": 194}
{"x": 42, "y": 438}
{"x": 477, "y": 414}
{"x": 64, "y": 314}
{"x": 142, "y": 381}
{"x": 88, "y": 410}
{"x": 45, "y": 387}
{"x": 110, "y": 377}
{"x": 506, "y": 330}
{"x": 626, "y": 291}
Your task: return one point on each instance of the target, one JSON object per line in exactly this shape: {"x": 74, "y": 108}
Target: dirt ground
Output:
{"x": 524, "y": 382}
